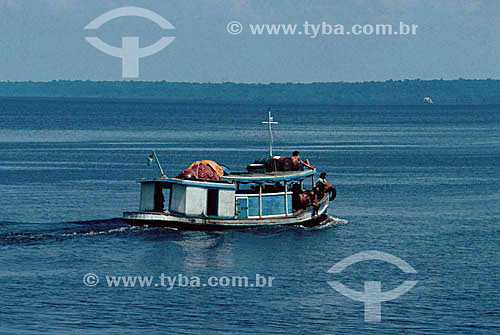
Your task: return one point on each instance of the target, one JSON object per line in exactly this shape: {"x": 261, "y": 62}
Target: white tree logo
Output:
{"x": 373, "y": 295}
{"x": 130, "y": 53}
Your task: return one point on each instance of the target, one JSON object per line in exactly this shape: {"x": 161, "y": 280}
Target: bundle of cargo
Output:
{"x": 205, "y": 170}
{"x": 271, "y": 164}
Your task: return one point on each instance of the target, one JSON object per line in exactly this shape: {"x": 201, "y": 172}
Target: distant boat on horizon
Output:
{"x": 428, "y": 100}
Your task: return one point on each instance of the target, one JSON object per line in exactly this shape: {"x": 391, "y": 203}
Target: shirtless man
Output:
{"x": 322, "y": 184}
{"x": 297, "y": 163}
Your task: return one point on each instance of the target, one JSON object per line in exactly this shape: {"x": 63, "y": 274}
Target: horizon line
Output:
{"x": 240, "y": 83}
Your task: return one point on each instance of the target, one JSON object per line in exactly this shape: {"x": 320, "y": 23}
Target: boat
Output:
{"x": 428, "y": 100}
{"x": 264, "y": 195}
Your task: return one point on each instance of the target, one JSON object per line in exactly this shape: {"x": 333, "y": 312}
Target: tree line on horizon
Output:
{"x": 390, "y": 92}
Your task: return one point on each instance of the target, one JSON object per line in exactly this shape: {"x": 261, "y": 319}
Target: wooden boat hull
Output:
{"x": 167, "y": 219}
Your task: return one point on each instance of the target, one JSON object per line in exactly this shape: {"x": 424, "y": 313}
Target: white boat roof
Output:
{"x": 189, "y": 182}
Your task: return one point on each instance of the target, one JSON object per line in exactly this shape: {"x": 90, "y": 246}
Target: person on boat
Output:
{"x": 303, "y": 200}
{"x": 297, "y": 163}
{"x": 323, "y": 185}
{"x": 313, "y": 200}
{"x": 296, "y": 199}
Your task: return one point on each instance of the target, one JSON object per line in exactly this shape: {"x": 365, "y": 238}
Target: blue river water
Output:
{"x": 421, "y": 183}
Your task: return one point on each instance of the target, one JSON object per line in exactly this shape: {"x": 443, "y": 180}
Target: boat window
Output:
{"x": 274, "y": 188}
{"x": 212, "y": 201}
{"x": 248, "y": 189}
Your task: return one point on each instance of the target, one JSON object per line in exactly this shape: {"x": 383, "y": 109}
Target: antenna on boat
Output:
{"x": 270, "y": 122}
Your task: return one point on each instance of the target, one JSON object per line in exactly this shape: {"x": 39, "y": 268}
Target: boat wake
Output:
{"x": 101, "y": 232}
{"x": 330, "y": 221}
{"x": 12, "y": 233}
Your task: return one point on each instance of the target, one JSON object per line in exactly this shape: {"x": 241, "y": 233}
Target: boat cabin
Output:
{"x": 238, "y": 195}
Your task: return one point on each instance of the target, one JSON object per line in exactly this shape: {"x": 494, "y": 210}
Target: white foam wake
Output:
{"x": 329, "y": 222}
{"x": 101, "y": 232}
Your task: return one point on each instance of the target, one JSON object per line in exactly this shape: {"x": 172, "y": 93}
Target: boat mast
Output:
{"x": 270, "y": 122}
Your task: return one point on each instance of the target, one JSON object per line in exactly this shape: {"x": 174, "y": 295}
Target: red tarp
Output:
{"x": 199, "y": 171}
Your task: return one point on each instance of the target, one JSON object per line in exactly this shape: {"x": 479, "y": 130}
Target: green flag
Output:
{"x": 151, "y": 159}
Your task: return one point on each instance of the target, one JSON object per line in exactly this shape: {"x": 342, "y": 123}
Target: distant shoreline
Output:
{"x": 401, "y": 92}
{"x": 215, "y": 103}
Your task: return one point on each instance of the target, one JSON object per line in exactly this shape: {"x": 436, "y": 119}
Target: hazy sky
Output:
{"x": 44, "y": 40}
